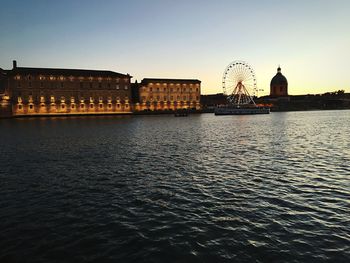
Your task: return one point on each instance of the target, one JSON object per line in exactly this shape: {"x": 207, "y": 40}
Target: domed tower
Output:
{"x": 279, "y": 85}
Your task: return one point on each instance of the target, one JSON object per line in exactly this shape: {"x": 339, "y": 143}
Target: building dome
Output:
{"x": 279, "y": 85}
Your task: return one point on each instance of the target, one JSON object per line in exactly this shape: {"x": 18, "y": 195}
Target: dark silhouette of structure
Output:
{"x": 279, "y": 85}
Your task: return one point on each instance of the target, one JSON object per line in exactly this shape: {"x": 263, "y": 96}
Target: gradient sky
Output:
{"x": 310, "y": 39}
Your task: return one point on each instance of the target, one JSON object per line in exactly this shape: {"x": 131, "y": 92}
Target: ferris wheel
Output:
{"x": 239, "y": 83}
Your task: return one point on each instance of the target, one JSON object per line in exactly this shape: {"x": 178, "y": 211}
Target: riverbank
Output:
{"x": 144, "y": 113}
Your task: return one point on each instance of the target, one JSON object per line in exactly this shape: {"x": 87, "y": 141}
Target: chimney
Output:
{"x": 14, "y": 64}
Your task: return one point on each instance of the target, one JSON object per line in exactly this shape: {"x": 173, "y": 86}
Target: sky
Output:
{"x": 196, "y": 39}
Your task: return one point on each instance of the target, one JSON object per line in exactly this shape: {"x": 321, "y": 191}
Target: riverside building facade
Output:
{"x": 168, "y": 94}
{"x": 53, "y": 91}
{"x": 28, "y": 91}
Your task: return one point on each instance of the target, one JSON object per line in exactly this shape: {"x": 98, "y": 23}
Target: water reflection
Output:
{"x": 200, "y": 188}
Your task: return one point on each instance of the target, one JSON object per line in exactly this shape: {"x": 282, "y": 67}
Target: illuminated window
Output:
{"x": 101, "y": 106}
{"x": 31, "y": 106}
{"x": 91, "y": 106}
{"x": 82, "y": 106}
{"x": 62, "y": 106}
{"x": 117, "y": 86}
{"x": 72, "y": 106}
{"x": 20, "y": 107}
{"x": 52, "y": 99}
{"x": 109, "y": 106}
{"x": 126, "y": 87}
{"x": 150, "y": 89}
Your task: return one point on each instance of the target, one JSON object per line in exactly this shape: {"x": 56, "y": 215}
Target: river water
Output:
{"x": 203, "y": 188}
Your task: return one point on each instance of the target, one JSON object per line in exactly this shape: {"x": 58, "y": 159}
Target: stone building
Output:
{"x": 279, "y": 85}
{"x": 168, "y": 94}
{"x": 46, "y": 91}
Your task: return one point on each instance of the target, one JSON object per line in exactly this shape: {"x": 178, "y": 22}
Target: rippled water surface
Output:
{"x": 266, "y": 188}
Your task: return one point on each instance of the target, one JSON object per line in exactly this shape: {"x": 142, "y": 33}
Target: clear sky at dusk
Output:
{"x": 184, "y": 39}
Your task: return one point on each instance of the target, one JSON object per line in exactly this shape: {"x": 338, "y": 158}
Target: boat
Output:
{"x": 232, "y": 110}
{"x": 181, "y": 113}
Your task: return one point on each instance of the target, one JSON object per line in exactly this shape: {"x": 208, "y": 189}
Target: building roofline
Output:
{"x": 168, "y": 80}
{"x": 65, "y": 71}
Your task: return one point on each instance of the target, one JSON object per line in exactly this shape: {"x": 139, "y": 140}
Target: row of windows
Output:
{"x": 171, "y": 89}
{"x": 72, "y": 99}
{"x": 70, "y": 78}
{"x": 171, "y": 84}
{"x": 73, "y": 106}
{"x": 91, "y": 85}
{"x": 165, "y": 98}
